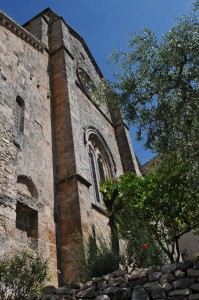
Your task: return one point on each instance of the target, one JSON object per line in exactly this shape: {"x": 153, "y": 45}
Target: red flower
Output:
{"x": 144, "y": 246}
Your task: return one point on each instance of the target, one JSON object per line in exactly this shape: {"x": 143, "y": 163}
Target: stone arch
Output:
{"x": 27, "y": 181}
{"x": 92, "y": 133}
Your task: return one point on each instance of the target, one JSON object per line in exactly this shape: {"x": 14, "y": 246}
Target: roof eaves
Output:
{"x": 11, "y": 25}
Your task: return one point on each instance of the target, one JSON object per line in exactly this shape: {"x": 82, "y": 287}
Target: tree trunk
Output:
{"x": 114, "y": 234}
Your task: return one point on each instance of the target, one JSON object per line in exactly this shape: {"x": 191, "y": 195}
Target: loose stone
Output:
{"x": 139, "y": 293}
{"x": 137, "y": 274}
{"x": 195, "y": 287}
{"x": 154, "y": 276}
{"x": 183, "y": 292}
{"x": 179, "y": 274}
{"x": 193, "y": 273}
{"x": 194, "y": 297}
{"x": 169, "y": 268}
{"x": 183, "y": 283}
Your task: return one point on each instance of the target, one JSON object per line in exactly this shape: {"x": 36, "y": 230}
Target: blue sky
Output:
{"x": 105, "y": 24}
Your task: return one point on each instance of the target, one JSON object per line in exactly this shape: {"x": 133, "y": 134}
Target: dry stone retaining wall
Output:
{"x": 172, "y": 281}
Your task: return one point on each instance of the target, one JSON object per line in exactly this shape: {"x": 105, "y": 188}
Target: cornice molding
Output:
{"x": 22, "y": 33}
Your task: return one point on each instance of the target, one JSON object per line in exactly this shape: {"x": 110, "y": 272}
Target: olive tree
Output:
{"x": 156, "y": 87}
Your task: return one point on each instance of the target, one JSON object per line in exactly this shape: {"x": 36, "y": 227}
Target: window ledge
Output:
{"x": 17, "y": 138}
{"x": 99, "y": 208}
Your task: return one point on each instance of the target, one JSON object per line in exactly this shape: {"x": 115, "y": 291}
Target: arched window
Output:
{"x": 94, "y": 174}
{"x": 102, "y": 164}
{"x": 19, "y": 114}
{"x": 101, "y": 168}
{"x": 98, "y": 166}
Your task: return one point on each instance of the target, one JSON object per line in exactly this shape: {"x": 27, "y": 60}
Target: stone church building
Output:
{"x": 56, "y": 141}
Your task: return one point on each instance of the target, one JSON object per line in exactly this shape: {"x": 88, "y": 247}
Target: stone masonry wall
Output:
{"x": 172, "y": 281}
{"x": 26, "y": 175}
{"x": 47, "y": 187}
{"x": 73, "y": 113}
{"x": 81, "y": 114}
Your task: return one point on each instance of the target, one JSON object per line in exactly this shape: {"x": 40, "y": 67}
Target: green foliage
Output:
{"x": 22, "y": 274}
{"x": 95, "y": 259}
{"x": 157, "y": 88}
{"x": 158, "y": 208}
{"x": 109, "y": 188}
{"x": 159, "y": 84}
{"x": 196, "y": 5}
{"x": 133, "y": 230}
{"x": 141, "y": 248}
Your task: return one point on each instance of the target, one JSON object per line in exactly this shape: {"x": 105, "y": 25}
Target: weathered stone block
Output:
{"x": 179, "y": 274}
{"x": 102, "y": 297}
{"x": 116, "y": 281}
{"x": 167, "y": 287}
{"x": 108, "y": 276}
{"x": 183, "y": 292}
{"x": 47, "y": 297}
{"x": 122, "y": 293}
{"x": 139, "y": 293}
{"x": 193, "y": 273}
{"x": 154, "y": 268}
{"x": 62, "y": 291}
{"x": 96, "y": 279}
{"x": 194, "y": 297}
{"x": 177, "y": 298}
{"x": 150, "y": 286}
{"x": 119, "y": 273}
{"x": 169, "y": 268}
{"x": 88, "y": 293}
{"x": 155, "y": 276}
{"x": 158, "y": 294}
{"x": 86, "y": 285}
{"x": 167, "y": 278}
{"x": 101, "y": 285}
{"x": 133, "y": 283}
{"x": 184, "y": 266}
{"x": 110, "y": 291}
{"x": 196, "y": 265}
{"x": 183, "y": 283}
{"x": 195, "y": 287}
{"x": 48, "y": 289}
{"x": 137, "y": 274}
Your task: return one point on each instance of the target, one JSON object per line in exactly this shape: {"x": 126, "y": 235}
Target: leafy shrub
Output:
{"x": 95, "y": 259}
{"x": 143, "y": 251}
{"x": 22, "y": 274}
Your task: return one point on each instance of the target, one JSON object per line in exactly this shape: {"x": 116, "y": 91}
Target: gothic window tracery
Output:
{"x": 102, "y": 164}
{"x": 98, "y": 167}
{"x": 85, "y": 81}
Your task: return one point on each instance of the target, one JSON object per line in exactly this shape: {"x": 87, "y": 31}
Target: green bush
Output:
{"x": 95, "y": 259}
{"x": 22, "y": 274}
{"x": 141, "y": 249}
